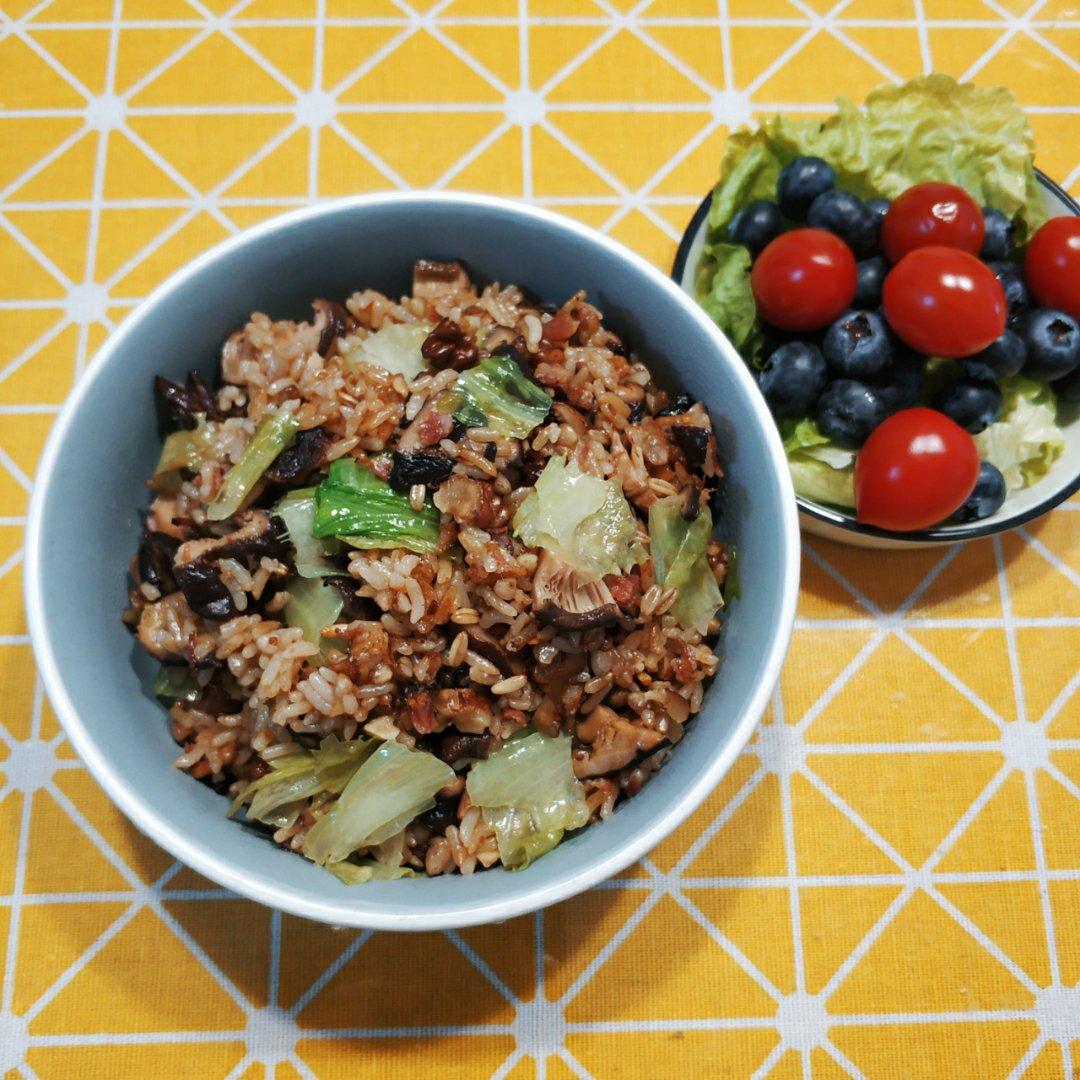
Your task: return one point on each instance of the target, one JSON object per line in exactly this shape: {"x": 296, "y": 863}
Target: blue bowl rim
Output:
{"x": 955, "y": 534}
{"x": 541, "y": 892}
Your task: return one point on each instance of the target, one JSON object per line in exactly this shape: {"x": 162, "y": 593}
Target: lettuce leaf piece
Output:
{"x": 724, "y": 292}
{"x": 384, "y": 864}
{"x": 680, "y": 562}
{"x": 175, "y": 683}
{"x": 389, "y": 789}
{"x": 1025, "y": 440}
{"x": 931, "y": 128}
{"x": 364, "y": 870}
{"x": 352, "y": 503}
{"x": 820, "y": 470}
{"x": 313, "y": 606}
{"x": 584, "y": 520}
{"x": 184, "y": 449}
{"x": 278, "y": 795}
{"x": 395, "y": 348}
{"x": 275, "y": 433}
{"x": 529, "y": 796}
{"x": 297, "y": 511}
{"x": 497, "y": 394}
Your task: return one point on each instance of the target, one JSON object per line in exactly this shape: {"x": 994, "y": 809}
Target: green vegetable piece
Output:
{"x": 277, "y": 432}
{"x": 497, "y": 394}
{"x": 395, "y": 348}
{"x": 277, "y": 797}
{"x": 365, "y": 512}
{"x": 529, "y": 796}
{"x": 297, "y": 511}
{"x": 175, "y": 683}
{"x": 680, "y": 561}
{"x": 384, "y": 864}
{"x": 391, "y": 788}
{"x": 1026, "y": 439}
{"x": 586, "y": 521}
{"x": 312, "y": 606}
{"x": 184, "y": 449}
{"x": 820, "y": 470}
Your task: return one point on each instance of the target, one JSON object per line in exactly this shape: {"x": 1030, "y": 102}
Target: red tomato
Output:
{"x": 1052, "y": 265}
{"x": 933, "y": 214}
{"x": 915, "y": 470}
{"x": 944, "y": 302}
{"x": 803, "y": 280}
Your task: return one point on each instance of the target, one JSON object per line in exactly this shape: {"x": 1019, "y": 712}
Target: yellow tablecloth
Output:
{"x": 887, "y": 884}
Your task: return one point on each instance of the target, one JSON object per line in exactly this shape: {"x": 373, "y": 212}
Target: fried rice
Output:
{"x": 456, "y": 652}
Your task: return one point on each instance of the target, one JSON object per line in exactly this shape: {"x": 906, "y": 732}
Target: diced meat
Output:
{"x": 471, "y": 502}
{"x": 429, "y": 428}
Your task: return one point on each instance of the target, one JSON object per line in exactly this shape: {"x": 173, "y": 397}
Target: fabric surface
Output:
{"x": 888, "y": 882}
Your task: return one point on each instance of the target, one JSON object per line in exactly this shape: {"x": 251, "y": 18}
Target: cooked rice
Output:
{"x": 436, "y": 623}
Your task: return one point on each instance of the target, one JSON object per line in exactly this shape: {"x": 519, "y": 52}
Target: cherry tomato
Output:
{"x": 803, "y": 280}
{"x": 1052, "y": 265}
{"x": 916, "y": 469}
{"x": 944, "y": 302}
{"x": 932, "y": 214}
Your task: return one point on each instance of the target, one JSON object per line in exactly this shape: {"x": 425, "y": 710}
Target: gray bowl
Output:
{"x": 84, "y": 523}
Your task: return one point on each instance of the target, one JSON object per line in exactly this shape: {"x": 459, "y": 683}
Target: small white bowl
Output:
{"x": 834, "y": 523}
{"x": 89, "y": 499}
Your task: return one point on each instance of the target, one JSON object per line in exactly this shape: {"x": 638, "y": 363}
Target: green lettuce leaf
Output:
{"x": 277, "y": 797}
{"x": 497, "y": 394}
{"x": 313, "y": 606}
{"x": 389, "y": 789}
{"x": 1026, "y": 440}
{"x": 175, "y": 683}
{"x": 352, "y": 503}
{"x": 679, "y": 561}
{"x": 384, "y": 864}
{"x": 275, "y": 433}
{"x": 395, "y": 348}
{"x": 297, "y": 512}
{"x": 584, "y": 520}
{"x": 529, "y": 796}
{"x": 724, "y": 293}
{"x": 820, "y": 470}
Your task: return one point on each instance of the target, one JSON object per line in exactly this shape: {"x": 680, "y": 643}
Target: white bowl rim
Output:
{"x": 842, "y": 520}
{"x": 193, "y": 852}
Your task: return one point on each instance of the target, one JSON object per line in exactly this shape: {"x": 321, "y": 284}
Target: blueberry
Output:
{"x": 800, "y": 183}
{"x": 848, "y": 411}
{"x": 1016, "y": 294}
{"x": 756, "y": 224}
{"x": 870, "y": 278}
{"x": 998, "y": 238}
{"x": 846, "y": 215}
{"x": 899, "y": 387}
{"x": 972, "y": 405}
{"x": 1053, "y": 343}
{"x": 986, "y": 496}
{"x": 879, "y": 208}
{"x": 793, "y": 378}
{"x": 858, "y": 345}
{"x": 1002, "y": 357}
